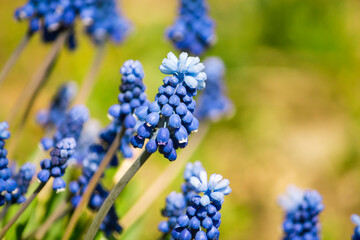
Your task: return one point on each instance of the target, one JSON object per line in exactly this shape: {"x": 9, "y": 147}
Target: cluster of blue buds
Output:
{"x": 193, "y": 30}
{"x": 213, "y": 102}
{"x": 175, "y": 207}
{"x": 131, "y": 97}
{"x": 51, "y": 17}
{"x": 302, "y": 214}
{"x": 56, "y": 166}
{"x": 58, "y": 106}
{"x": 191, "y": 170}
{"x": 8, "y": 185}
{"x": 70, "y": 127}
{"x": 202, "y": 218}
{"x": 168, "y": 121}
{"x": 104, "y": 21}
{"x": 356, "y": 220}
{"x": 78, "y": 187}
{"x": 23, "y": 179}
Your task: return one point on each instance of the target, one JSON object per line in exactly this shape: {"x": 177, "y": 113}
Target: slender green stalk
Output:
{"x": 89, "y": 81}
{"x": 61, "y": 211}
{"x": 14, "y": 56}
{"x": 110, "y": 200}
{"x": 29, "y": 94}
{"x": 163, "y": 181}
{"x": 22, "y": 209}
{"x": 92, "y": 184}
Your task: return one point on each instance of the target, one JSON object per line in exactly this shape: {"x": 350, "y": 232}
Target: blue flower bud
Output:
{"x": 129, "y": 121}
{"x": 213, "y": 233}
{"x": 207, "y": 223}
{"x": 55, "y": 172}
{"x": 166, "y": 110}
{"x": 154, "y": 107}
{"x": 141, "y": 112}
{"x": 163, "y": 99}
{"x": 114, "y": 111}
{"x": 181, "y": 110}
{"x": 185, "y": 234}
{"x": 59, "y": 184}
{"x": 174, "y": 121}
{"x": 168, "y": 147}
{"x": 181, "y": 134}
{"x": 151, "y": 146}
{"x": 44, "y": 175}
{"x": 163, "y": 136}
{"x": 137, "y": 141}
{"x": 183, "y": 220}
{"x": 152, "y": 119}
{"x": 194, "y": 223}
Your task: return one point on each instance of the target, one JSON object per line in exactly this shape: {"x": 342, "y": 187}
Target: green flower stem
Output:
{"x": 89, "y": 81}
{"x": 28, "y": 96}
{"x": 110, "y": 200}
{"x": 14, "y": 56}
{"x": 22, "y": 209}
{"x": 163, "y": 181}
{"x": 92, "y": 184}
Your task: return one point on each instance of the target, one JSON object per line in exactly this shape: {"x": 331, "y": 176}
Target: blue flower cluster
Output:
{"x": 175, "y": 207}
{"x": 356, "y": 220}
{"x": 56, "y": 166}
{"x": 176, "y": 203}
{"x": 103, "y": 20}
{"x": 22, "y": 178}
{"x": 131, "y": 97}
{"x": 8, "y": 186}
{"x": 70, "y": 127}
{"x": 193, "y": 30}
{"x": 77, "y": 189}
{"x": 191, "y": 170}
{"x": 213, "y": 102}
{"x": 168, "y": 121}
{"x": 202, "y": 218}
{"x": 302, "y": 214}
{"x": 100, "y": 17}
{"x": 58, "y": 106}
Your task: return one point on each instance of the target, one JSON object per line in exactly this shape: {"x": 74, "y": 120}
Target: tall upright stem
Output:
{"x": 89, "y": 81}
{"x": 93, "y": 182}
{"x": 22, "y": 209}
{"x": 14, "y": 56}
{"x": 29, "y": 94}
{"x": 110, "y": 200}
{"x": 163, "y": 181}
{"x": 38, "y": 79}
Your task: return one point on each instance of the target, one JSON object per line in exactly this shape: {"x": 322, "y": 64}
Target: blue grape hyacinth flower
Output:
{"x": 302, "y": 214}
{"x": 8, "y": 185}
{"x": 51, "y": 18}
{"x": 356, "y": 220}
{"x": 175, "y": 206}
{"x": 103, "y": 21}
{"x": 23, "y": 179}
{"x": 131, "y": 97}
{"x": 176, "y": 203}
{"x": 202, "y": 218}
{"x": 70, "y": 127}
{"x": 213, "y": 103}
{"x": 168, "y": 121}
{"x": 193, "y": 30}
{"x": 53, "y": 116}
{"x": 56, "y": 166}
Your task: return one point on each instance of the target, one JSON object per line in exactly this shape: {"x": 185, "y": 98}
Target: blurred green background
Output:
{"x": 293, "y": 71}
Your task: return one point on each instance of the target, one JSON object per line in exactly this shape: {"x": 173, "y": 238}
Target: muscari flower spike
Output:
{"x": 176, "y": 203}
{"x": 356, "y": 220}
{"x": 202, "y": 218}
{"x": 168, "y": 121}
{"x": 213, "y": 102}
{"x": 8, "y": 185}
{"x": 131, "y": 97}
{"x": 58, "y": 106}
{"x": 52, "y": 18}
{"x": 56, "y": 166}
{"x": 302, "y": 214}
{"x": 193, "y": 30}
{"x": 103, "y": 20}
{"x": 70, "y": 127}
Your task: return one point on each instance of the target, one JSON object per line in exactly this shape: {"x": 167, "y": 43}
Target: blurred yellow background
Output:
{"x": 293, "y": 73}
